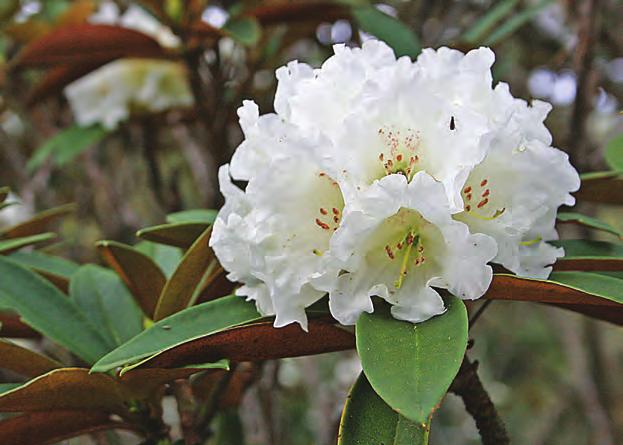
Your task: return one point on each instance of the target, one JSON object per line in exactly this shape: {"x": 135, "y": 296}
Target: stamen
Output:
{"x": 484, "y": 182}
{"x": 467, "y": 189}
{"x": 323, "y": 226}
{"x": 497, "y": 214}
{"x": 390, "y": 254}
{"x": 411, "y": 241}
{"x": 483, "y": 203}
{"x": 335, "y": 211}
{"x": 323, "y": 211}
{"x": 536, "y": 240}
{"x": 486, "y": 193}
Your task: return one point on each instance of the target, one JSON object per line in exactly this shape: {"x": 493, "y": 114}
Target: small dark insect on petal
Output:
{"x": 452, "y": 125}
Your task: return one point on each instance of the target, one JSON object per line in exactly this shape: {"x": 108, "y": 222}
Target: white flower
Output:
{"x": 109, "y": 94}
{"x": 138, "y": 19}
{"x": 16, "y": 213}
{"x": 388, "y": 178}
{"x": 401, "y": 241}
{"x": 272, "y": 237}
{"x": 383, "y": 115}
{"x": 513, "y": 195}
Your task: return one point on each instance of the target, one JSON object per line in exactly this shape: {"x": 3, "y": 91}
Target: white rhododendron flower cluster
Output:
{"x": 385, "y": 177}
{"x": 111, "y": 93}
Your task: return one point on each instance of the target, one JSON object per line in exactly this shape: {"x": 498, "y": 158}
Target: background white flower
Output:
{"x": 135, "y": 18}
{"x": 111, "y": 93}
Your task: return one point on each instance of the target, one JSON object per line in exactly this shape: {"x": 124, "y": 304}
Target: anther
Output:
{"x": 323, "y": 211}
{"x": 322, "y": 225}
{"x": 486, "y": 193}
{"x": 484, "y": 182}
{"x": 483, "y": 202}
{"x": 335, "y": 211}
{"x": 390, "y": 254}
{"x": 409, "y": 239}
{"x": 467, "y": 189}
{"x": 399, "y": 158}
{"x": 452, "y": 125}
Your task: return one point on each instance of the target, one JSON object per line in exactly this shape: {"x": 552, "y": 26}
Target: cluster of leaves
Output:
{"x": 159, "y": 313}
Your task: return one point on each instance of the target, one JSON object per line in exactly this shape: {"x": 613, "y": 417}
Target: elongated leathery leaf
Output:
{"x": 181, "y": 234}
{"x": 14, "y": 244}
{"x": 137, "y": 270}
{"x": 587, "y": 221}
{"x": 392, "y": 31}
{"x": 48, "y": 311}
{"x": 614, "y": 153}
{"x": 179, "y": 291}
{"x": 192, "y": 323}
{"x": 106, "y": 301}
{"x": 193, "y": 215}
{"x": 411, "y": 366}
{"x": 367, "y": 419}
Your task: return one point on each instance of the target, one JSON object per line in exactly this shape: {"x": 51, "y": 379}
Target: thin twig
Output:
{"x": 577, "y": 143}
{"x": 479, "y": 312}
{"x": 468, "y": 386}
{"x": 211, "y": 407}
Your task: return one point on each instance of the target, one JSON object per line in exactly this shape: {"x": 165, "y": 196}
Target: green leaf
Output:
{"x": 107, "y": 303}
{"x": 23, "y": 361}
{"x": 138, "y": 271}
{"x": 246, "y": 30}
{"x": 614, "y": 153}
{"x": 389, "y": 29}
{"x": 38, "y": 223}
{"x": 6, "y": 387}
{"x": 479, "y": 29}
{"x": 411, "y": 366}
{"x": 587, "y": 221}
{"x": 599, "y": 285}
{"x": 581, "y": 248}
{"x": 166, "y": 257}
{"x": 48, "y": 311}
{"x": 11, "y": 245}
{"x": 189, "y": 324}
{"x": 515, "y": 22}
{"x": 589, "y": 256}
{"x": 47, "y": 263}
{"x": 66, "y": 145}
{"x": 367, "y": 419}
{"x": 176, "y": 234}
{"x": 181, "y": 289}
{"x": 206, "y": 216}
